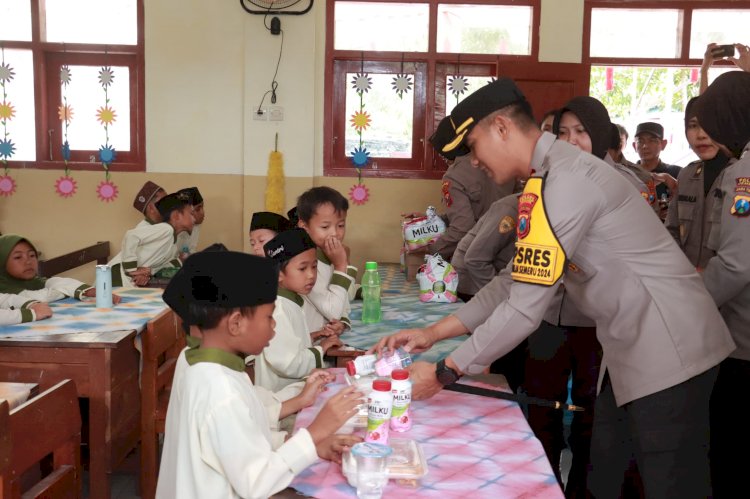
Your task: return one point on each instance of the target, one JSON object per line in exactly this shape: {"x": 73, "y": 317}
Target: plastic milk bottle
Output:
{"x": 401, "y": 390}
{"x": 379, "y": 412}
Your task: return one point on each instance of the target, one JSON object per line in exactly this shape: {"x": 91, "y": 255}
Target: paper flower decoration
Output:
{"x": 65, "y": 186}
{"x": 7, "y": 185}
{"x": 361, "y": 82}
{"x": 65, "y": 113}
{"x": 360, "y": 120}
{"x": 402, "y": 84}
{"x": 66, "y": 151}
{"x": 6, "y": 72}
{"x": 360, "y": 155}
{"x": 107, "y": 154}
{"x": 106, "y": 115}
{"x": 65, "y": 75}
{"x": 458, "y": 85}
{"x": 359, "y": 194}
{"x": 491, "y": 80}
{"x": 7, "y": 148}
{"x": 106, "y": 76}
{"x": 106, "y": 191}
{"x": 7, "y": 111}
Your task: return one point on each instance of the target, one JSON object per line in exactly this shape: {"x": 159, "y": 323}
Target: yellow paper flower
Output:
{"x": 7, "y": 111}
{"x": 106, "y": 115}
{"x": 65, "y": 113}
{"x": 360, "y": 120}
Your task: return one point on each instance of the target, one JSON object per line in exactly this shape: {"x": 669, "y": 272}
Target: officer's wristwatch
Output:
{"x": 445, "y": 375}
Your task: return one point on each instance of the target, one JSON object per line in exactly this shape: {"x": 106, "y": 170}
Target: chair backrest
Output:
{"x": 47, "y": 424}
{"x": 161, "y": 343}
{"x": 68, "y": 261}
{"x": 5, "y": 448}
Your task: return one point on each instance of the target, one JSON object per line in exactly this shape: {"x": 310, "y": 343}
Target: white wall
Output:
{"x": 208, "y": 64}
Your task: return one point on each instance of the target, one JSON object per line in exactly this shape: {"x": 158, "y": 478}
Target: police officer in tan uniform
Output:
{"x": 723, "y": 111}
{"x": 660, "y": 331}
{"x": 467, "y": 195}
{"x": 689, "y": 216}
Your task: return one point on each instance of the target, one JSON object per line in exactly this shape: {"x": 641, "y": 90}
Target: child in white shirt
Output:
{"x": 218, "y": 440}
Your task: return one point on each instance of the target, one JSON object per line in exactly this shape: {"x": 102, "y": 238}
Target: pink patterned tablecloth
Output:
{"x": 475, "y": 446}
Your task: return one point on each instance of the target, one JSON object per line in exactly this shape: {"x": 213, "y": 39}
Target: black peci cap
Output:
{"x": 288, "y": 244}
{"x": 269, "y": 220}
{"x": 226, "y": 279}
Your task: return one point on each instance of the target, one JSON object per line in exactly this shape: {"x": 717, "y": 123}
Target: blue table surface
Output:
{"x": 401, "y": 309}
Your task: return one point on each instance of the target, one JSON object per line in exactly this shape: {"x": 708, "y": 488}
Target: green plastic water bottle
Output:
{"x": 371, "y": 294}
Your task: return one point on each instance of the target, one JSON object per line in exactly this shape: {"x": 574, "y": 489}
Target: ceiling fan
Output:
{"x": 277, "y": 7}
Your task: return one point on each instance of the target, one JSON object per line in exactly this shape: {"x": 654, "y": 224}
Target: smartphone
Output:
{"x": 721, "y": 51}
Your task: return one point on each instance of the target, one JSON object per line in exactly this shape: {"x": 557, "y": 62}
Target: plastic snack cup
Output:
{"x": 372, "y": 475}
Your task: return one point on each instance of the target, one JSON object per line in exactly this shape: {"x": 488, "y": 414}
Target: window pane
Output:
{"x": 85, "y": 96}
{"x": 718, "y": 26}
{"x": 15, "y": 17}
{"x": 18, "y": 104}
{"x": 92, "y": 21}
{"x": 400, "y": 27}
{"x": 389, "y": 134}
{"x": 651, "y": 33}
{"x": 638, "y": 94}
{"x": 484, "y": 29}
{"x": 472, "y": 84}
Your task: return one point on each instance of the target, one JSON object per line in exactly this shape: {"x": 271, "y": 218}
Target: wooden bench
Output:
{"x": 161, "y": 344}
{"x": 98, "y": 252}
{"x": 47, "y": 424}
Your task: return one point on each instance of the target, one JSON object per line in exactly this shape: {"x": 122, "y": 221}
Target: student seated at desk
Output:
{"x": 20, "y": 267}
{"x": 217, "y": 440}
{"x": 291, "y": 355}
{"x": 15, "y": 309}
{"x": 264, "y": 226}
{"x": 145, "y": 203}
{"x": 187, "y": 242}
{"x": 321, "y": 211}
{"x": 147, "y": 251}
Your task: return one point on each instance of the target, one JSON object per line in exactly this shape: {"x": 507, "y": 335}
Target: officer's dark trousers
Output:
{"x": 667, "y": 432}
{"x": 730, "y": 429}
{"x": 554, "y": 354}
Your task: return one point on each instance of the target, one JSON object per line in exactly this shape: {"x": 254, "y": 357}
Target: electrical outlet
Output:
{"x": 260, "y": 115}
{"x": 275, "y": 113}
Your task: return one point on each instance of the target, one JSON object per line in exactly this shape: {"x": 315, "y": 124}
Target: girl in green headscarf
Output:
{"x": 18, "y": 274}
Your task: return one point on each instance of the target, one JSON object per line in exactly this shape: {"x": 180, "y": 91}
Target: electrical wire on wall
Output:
{"x": 275, "y": 29}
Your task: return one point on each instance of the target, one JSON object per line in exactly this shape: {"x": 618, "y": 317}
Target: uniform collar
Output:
{"x": 322, "y": 257}
{"x": 290, "y": 295}
{"x": 215, "y": 356}
{"x": 609, "y": 160}
{"x": 542, "y": 147}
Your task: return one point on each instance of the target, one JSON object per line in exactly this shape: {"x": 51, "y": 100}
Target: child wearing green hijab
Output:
{"x": 15, "y": 309}
{"x": 18, "y": 275}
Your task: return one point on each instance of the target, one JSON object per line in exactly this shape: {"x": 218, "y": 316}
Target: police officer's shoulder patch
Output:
{"x": 447, "y": 199}
{"x": 740, "y": 206}
{"x": 507, "y": 224}
{"x": 741, "y": 203}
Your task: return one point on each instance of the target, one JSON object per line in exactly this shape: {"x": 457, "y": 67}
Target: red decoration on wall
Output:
{"x": 694, "y": 75}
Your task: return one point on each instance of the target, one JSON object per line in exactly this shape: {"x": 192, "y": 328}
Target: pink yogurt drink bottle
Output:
{"x": 401, "y": 390}
{"x": 397, "y": 359}
{"x": 379, "y": 404}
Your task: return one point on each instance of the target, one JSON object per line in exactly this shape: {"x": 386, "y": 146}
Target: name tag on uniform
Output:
{"x": 539, "y": 258}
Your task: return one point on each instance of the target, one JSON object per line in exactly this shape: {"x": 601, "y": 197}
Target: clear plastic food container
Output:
{"x": 406, "y": 465}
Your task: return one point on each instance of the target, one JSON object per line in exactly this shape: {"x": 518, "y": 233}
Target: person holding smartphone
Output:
{"x": 737, "y": 53}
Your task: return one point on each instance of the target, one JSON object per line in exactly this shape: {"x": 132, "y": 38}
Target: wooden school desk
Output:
{"x": 78, "y": 343}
